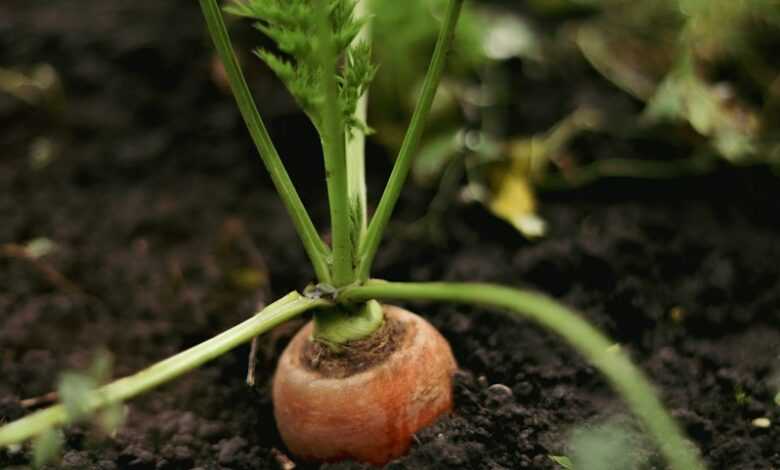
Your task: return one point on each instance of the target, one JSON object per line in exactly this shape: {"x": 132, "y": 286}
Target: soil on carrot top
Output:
{"x": 357, "y": 356}
{"x": 155, "y": 227}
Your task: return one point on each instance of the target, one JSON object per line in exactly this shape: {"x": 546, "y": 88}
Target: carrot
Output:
{"x": 370, "y": 415}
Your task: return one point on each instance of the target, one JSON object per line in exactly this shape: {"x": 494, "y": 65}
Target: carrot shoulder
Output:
{"x": 371, "y": 415}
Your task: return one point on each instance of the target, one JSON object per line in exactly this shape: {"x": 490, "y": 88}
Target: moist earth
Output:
{"x": 166, "y": 231}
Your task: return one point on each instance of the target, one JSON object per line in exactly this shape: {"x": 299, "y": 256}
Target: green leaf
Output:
{"x": 357, "y": 75}
{"x": 563, "y": 461}
{"x": 777, "y": 399}
{"x": 731, "y": 125}
{"x": 46, "y": 447}
{"x": 292, "y": 24}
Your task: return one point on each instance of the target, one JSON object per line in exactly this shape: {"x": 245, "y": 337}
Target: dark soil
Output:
{"x": 167, "y": 232}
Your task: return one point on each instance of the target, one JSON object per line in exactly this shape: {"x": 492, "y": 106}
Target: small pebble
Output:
{"x": 106, "y": 465}
{"x": 75, "y": 460}
{"x": 229, "y": 448}
{"x": 284, "y": 462}
{"x": 499, "y": 392}
{"x": 762, "y": 423}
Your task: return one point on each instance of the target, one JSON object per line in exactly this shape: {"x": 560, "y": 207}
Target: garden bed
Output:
{"x": 164, "y": 225}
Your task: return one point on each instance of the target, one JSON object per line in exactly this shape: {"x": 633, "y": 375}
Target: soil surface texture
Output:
{"x": 165, "y": 230}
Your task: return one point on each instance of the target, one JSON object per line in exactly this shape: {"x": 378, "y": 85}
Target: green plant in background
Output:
{"x": 473, "y": 84}
{"x": 327, "y": 69}
{"x": 403, "y": 41}
{"x": 702, "y": 71}
{"x": 711, "y": 67}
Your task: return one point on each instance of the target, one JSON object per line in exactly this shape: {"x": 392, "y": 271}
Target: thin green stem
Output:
{"x": 313, "y": 244}
{"x": 116, "y": 392}
{"x": 356, "y": 151}
{"x": 627, "y": 168}
{"x": 410, "y": 143}
{"x": 334, "y": 149}
{"x": 625, "y": 377}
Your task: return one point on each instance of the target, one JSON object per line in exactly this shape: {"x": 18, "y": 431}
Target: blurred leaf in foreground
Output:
{"x": 46, "y": 447}
{"x": 601, "y": 447}
{"x": 77, "y": 392}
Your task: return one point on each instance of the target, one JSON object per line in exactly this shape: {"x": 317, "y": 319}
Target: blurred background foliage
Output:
{"x": 550, "y": 95}
{"x": 545, "y": 95}
{"x": 556, "y": 94}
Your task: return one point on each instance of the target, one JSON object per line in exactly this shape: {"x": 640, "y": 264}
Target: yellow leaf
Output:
{"x": 513, "y": 200}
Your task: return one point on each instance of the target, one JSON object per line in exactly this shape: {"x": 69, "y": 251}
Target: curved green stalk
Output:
{"x": 410, "y": 143}
{"x": 116, "y": 392}
{"x": 313, "y": 244}
{"x": 625, "y": 377}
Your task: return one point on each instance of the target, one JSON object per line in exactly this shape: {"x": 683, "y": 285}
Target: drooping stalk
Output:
{"x": 626, "y": 378}
{"x": 334, "y": 149}
{"x": 164, "y": 371}
{"x": 410, "y": 143}
{"x": 356, "y": 151}
{"x": 315, "y": 248}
